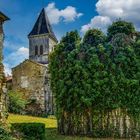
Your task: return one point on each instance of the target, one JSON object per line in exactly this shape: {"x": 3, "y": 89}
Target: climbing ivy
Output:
{"x": 92, "y": 77}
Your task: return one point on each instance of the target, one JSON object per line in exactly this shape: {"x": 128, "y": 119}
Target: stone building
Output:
{"x": 2, "y": 78}
{"x": 31, "y": 76}
{"x": 9, "y": 82}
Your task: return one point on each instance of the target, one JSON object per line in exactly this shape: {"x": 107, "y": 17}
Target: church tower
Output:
{"x": 41, "y": 39}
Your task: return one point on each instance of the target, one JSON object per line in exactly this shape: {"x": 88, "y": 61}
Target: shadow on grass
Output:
{"x": 52, "y": 134}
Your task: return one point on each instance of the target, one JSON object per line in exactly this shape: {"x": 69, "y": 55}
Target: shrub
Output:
{"x": 16, "y": 102}
{"x": 30, "y": 131}
{"x": 4, "y": 135}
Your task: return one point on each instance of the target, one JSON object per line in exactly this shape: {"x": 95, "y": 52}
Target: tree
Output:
{"x": 94, "y": 37}
{"x": 70, "y": 40}
{"x": 120, "y": 26}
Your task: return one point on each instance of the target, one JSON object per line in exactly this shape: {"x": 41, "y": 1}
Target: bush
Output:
{"x": 30, "y": 131}
{"x": 4, "y": 135}
{"x": 16, "y": 102}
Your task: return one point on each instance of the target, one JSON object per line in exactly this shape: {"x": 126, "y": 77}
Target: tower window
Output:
{"x": 41, "y": 50}
{"x": 36, "y": 50}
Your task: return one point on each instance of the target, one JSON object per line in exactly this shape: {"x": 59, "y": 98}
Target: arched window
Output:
{"x": 36, "y": 50}
{"x": 41, "y": 50}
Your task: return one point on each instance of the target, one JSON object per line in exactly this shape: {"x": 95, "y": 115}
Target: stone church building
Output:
{"x": 31, "y": 76}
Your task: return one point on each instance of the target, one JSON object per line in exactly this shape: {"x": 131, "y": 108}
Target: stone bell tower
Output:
{"x": 41, "y": 39}
{"x": 2, "y": 79}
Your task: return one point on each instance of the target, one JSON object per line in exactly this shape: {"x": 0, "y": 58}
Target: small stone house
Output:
{"x": 2, "y": 78}
{"x": 31, "y": 76}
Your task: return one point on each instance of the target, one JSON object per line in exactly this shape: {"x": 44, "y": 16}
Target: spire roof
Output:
{"x": 43, "y": 26}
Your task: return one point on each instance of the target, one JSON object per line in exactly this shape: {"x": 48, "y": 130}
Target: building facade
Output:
{"x": 31, "y": 76}
{"x": 2, "y": 78}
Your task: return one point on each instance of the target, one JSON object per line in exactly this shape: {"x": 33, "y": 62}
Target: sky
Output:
{"x": 64, "y": 15}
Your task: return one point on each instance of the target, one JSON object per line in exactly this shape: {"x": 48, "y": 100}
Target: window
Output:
{"x": 41, "y": 50}
{"x": 36, "y": 50}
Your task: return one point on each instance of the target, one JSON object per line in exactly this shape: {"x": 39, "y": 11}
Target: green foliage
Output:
{"x": 95, "y": 75}
{"x": 30, "y": 131}
{"x": 16, "y": 102}
{"x": 70, "y": 40}
{"x": 4, "y": 135}
{"x": 94, "y": 37}
{"x": 120, "y": 26}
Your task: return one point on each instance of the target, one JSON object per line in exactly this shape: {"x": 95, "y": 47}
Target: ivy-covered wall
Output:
{"x": 96, "y": 82}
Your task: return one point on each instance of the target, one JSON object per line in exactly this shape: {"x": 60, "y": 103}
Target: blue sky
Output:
{"x": 65, "y": 15}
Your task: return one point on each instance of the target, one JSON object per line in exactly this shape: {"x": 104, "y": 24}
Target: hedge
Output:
{"x": 30, "y": 131}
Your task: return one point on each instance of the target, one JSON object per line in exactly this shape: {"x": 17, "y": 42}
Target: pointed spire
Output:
{"x": 42, "y": 26}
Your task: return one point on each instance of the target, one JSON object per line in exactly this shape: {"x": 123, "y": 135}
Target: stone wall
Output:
{"x": 2, "y": 81}
{"x": 38, "y": 41}
{"x": 31, "y": 78}
{"x": 3, "y": 112}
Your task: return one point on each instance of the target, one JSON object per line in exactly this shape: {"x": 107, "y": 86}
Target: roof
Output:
{"x": 43, "y": 26}
{"x": 3, "y": 17}
{"x": 9, "y": 78}
{"x": 28, "y": 60}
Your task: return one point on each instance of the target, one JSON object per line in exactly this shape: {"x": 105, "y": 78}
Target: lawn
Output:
{"x": 49, "y": 122}
{"x": 51, "y": 127}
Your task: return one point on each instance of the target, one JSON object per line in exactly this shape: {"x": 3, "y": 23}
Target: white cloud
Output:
{"x": 23, "y": 51}
{"x": 7, "y": 69}
{"x": 15, "y": 58}
{"x": 97, "y": 22}
{"x": 110, "y": 10}
{"x": 67, "y": 15}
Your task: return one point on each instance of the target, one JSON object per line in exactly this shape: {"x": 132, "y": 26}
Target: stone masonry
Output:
{"x": 2, "y": 78}
{"x": 31, "y": 78}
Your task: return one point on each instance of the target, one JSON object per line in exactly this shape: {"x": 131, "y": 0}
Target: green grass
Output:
{"x": 51, "y": 127}
{"x": 49, "y": 122}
